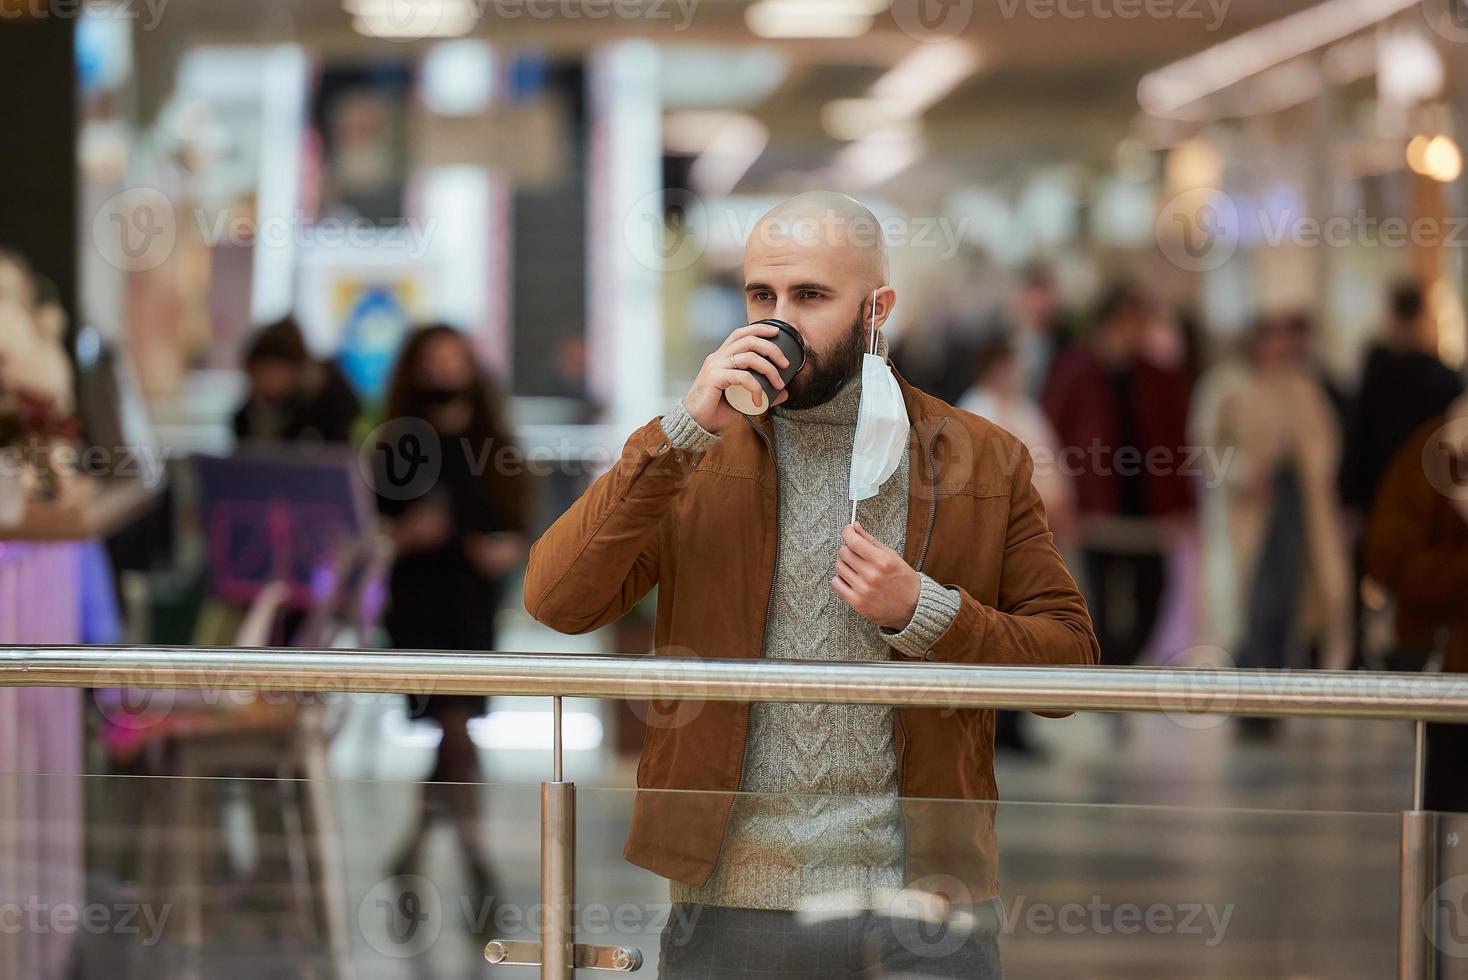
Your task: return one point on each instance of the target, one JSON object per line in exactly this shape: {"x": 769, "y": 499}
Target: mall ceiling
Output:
{"x": 1057, "y": 80}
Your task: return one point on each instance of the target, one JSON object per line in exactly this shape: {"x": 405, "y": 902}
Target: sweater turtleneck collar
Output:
{"x": 841, "y": 409}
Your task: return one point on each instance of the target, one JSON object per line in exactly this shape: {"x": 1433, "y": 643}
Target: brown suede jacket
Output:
{"x": 1417, "y": 543}
{"x": 703, "y": 528}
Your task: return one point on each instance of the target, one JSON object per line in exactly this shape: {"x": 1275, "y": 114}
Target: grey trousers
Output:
{"x": 709, "y": 942}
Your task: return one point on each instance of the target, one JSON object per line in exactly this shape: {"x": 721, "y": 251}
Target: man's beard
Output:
{"x": 825, "y": 374}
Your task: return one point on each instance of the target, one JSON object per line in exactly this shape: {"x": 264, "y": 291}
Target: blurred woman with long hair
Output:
{"x": 1283, "y": 516}
{"x": 450, "y": 483}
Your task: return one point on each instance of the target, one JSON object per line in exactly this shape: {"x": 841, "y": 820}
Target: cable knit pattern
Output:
{"x": 824, "y": 827}
{"x": 684, "y": 432}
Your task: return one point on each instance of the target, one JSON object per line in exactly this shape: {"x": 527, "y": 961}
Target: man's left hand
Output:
{"x": 874, "y": 580}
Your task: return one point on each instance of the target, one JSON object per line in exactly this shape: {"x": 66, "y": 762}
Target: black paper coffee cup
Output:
{"x": 790, "y": 344}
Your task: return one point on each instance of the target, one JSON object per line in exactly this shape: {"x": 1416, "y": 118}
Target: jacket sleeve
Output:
{"x": 601, "y": 556}
{"x": 1040, "y": 617}
{"x": 1402, "y": 552}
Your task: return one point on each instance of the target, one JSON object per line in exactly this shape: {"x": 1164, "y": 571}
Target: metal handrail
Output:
{"x": 1192, "y": 691}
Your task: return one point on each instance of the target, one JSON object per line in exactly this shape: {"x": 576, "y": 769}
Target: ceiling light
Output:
{"x": 807, "y": 19}
{"x": 1438, "y": 158}
{"x": 879, "y": 157}
{"x": 925, "y": 76}
{"x": 730, "y": 154}
{"x": 411, "y": 19}
{"x": 1170, "y": 89}
{"x": 851, "y": 119}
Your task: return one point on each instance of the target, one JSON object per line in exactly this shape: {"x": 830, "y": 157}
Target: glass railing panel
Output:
{"x": 1444, "y": 915}
{"x": 1083, "y": 890}
{"x": 114, "y": 878}
{"x": 120, "y": 877}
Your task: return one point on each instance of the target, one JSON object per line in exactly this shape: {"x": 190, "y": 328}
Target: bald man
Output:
{"x": 861, "y": 838}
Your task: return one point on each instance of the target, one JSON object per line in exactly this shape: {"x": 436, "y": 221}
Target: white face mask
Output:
{"x": 881, "y": 424}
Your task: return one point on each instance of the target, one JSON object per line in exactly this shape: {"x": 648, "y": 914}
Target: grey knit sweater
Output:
{"x": 821, "y": 827}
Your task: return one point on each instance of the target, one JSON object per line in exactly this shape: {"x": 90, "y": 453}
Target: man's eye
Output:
{"x": 811, "y": 294}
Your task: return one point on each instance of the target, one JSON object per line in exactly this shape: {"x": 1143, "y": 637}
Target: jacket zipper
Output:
{"x": 922, "y": 557}
{"x": 770, "y": 600}
{"x": 932, "y": 494}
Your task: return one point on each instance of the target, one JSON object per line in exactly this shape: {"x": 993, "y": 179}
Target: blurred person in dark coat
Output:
{"x": 1121, "y": 420}
{"x": 1040, "y": 329}
{"x": 1403, "y": 384}
{"x": 458, "y": 538}
{"x": 1417, "y": 547}
{"x": 293, "y": 397}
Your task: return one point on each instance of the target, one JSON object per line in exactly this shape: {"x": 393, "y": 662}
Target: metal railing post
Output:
{"x": 1416, "y": 931}
{"x": 558, "y": 954}
{"x": 557, "y": 865}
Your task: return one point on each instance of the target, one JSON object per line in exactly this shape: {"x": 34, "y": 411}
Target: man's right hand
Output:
{"x": 747, "y": 349}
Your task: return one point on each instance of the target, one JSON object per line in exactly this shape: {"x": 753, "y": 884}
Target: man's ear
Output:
{"x": 885, "y": 300}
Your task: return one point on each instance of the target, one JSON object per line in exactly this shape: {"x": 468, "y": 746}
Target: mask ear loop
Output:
{"x": 874, "y": 322}
{"x": 873, "y": 346}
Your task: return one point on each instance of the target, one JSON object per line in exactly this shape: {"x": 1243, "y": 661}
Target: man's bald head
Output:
{"x": 818, "y": 262}
{"x": 827, "y": 219}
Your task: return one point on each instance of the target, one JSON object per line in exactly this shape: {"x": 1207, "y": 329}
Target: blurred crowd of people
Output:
{"x": 1239, "y": 509}
{"x": 455, "y": 545}
{"x": 1234, "y": 507}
